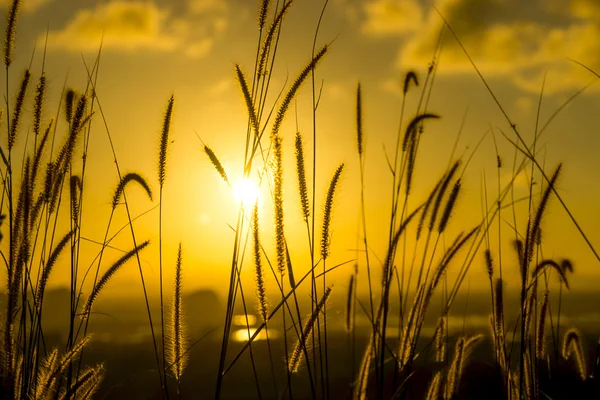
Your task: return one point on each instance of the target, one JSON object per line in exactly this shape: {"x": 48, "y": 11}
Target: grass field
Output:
{"x": 402, "y": 326}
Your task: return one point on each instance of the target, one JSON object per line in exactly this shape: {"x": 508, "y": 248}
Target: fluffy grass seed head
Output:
{"x": 301, "y": 174}
{"x": 177, "y": 345}
{"x": 16, "y": 118}
{"x": 164, "y": 141}
{"x": 216, "y": 163}
{"x": 278, "y": 203}
{"x": 572, "y": 347}
{"x": 11, "y": 28}
{"x": 107, "y": 275}
{"x": 287, "y": 100}
{"x": 262, "y": 13}
{"x": 540, "y": 337}
{"x": 410, "y": 76}
{"x": 296, "y": 355}
{"x": 261, "y": 290}
{"x": 126, "y": 179}
{"x": 326, "y": 232}
{"x": 69, "y": 104}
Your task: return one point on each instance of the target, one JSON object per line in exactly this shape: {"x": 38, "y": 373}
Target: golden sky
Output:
{"x": 152, "y": 49}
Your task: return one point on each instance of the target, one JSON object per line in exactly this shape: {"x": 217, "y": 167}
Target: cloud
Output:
{"x": 119, "y": 25}
{"x": 521, "y": 45}
{"x": 199, "y": 49}
{"x": 203, "y": 6}
{"x": 139, "y": 25}
{"x": 28, "y": 5}
{"x": 391, "y": 17}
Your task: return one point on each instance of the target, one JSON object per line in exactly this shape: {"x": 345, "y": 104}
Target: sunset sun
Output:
{"x": 247, "y": 192}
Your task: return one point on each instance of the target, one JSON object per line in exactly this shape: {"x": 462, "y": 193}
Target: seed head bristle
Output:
{"x": 48, "y": 267}
{"x": 69, "y": 104}
{"x": 412, "y": 128}
{"x": 551, "y": 264}
{"x": 301, "y": 174}
{"x": 39, "y": 102}
{"x": 359, "y": 130}
{"x": 248, "y": 100}
{"x": 287, "y": 100}
{"x": 262, "y": 14}
{"x": 537, "y": 221}
{"x": 427, "y": 205}
{"x": 410, "y": 76}
{"x": 130, "y": 177}
{"x": 489, "y": 264}
{"x": 177, "y": 346}
{"x": 441, "y": 192}
{"x": 540, "y": 338}
{"x": 11, "y": 27}
{"x": 75, "y": 185}
{"x": 449, "y": 207}
{"x": 261, "y": 290}
{"x": 266, "y": 46}
{"x": 296, "y": 355}
{"x": 326, "y": 234}
{"x": 278, "y": 204}
{"x": 107, "y": 275}
{"x": 14, "y": 125}
{"x": 572, "y": 347}
{"x": 440, "y": 339}
{"x": 216, "y": 163}
{"x": 164, "y": 141}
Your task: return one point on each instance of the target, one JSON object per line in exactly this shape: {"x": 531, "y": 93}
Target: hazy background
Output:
{"x": 152, "y": 49}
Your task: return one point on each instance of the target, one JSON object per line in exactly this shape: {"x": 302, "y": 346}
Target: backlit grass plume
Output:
{"x": 572, "y": 347}
{"x": 177, "y": 348}
{"x": 410, "y": 76}
{"x": 544, "y": 264}
{"x": 247, "y": 99}
{"x": 11, "y": 28}
{"x": 86, "y": 384}
{"x": 69, "y": 104}
{"x": 216, "y": 163}
{"x": 125, "y": 180}
{"x": 48, "y": 267}
{"x": 461, "y": 354}
{"x": 16, "y": 117}
{"x": 107, "y": 275}
{"x": 268, "y": 41}
{"x": 261, "y": 291}
{"x": 540, "y": 336}
{"x": 53, "y": 378}
{"x": 278, "y": 203}
{"x": 262, "y": 14}
{"x": 164, "y": 141}
{"x": 296, "y": 355}
{"x": 441, "y": 192}
{"x": 39, "y": 102}
{"x": 301, "y": 174}
{"x": 326, "y": 232}
{"x": 449, "y": 206}
{"x": 287, "y": 100}
{"x": 535, "y": 226}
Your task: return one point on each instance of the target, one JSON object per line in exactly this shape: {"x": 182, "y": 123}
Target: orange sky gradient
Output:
{"x": 188, "y": 48}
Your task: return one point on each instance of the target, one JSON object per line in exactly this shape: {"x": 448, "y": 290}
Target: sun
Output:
{"x": 247, "y": 192}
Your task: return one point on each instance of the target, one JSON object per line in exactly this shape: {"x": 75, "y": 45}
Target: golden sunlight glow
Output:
{"x": 247, "y": 192}
{"x": 243, "y": 335}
